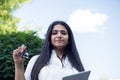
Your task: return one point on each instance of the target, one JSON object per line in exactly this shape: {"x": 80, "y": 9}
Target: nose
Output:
{"x": 59, "y": 34}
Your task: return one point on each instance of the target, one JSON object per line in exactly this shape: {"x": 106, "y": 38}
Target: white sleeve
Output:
{"x": 29, "y": 67}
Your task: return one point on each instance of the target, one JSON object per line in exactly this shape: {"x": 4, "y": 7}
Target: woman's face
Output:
{"x": 59, "y": 36}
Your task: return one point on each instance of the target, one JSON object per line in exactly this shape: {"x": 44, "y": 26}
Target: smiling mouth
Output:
{"x": 59, "y": 41}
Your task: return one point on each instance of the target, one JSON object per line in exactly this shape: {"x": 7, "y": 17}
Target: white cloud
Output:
{"x": 87, "y": 21}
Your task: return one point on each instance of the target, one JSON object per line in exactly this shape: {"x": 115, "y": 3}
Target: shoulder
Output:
{"x": 30, "y": 66}
{"x": 34, "y": 58}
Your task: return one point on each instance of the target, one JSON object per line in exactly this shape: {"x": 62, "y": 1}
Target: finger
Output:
{"x": 23, "y": 48}
{"x": 15, "y": 54}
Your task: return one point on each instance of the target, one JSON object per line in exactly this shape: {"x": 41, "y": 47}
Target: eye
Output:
{"x": 64, "y": 32}
{"x": 54, "y": 32}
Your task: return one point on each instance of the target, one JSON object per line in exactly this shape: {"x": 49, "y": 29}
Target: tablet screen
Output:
{"x": 79, "y": 76}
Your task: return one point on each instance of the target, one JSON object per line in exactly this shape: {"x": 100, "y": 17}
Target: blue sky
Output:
{"x": 95, "y": 23}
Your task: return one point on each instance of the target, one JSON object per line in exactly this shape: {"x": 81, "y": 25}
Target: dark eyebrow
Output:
{"x": 54, "y": 30}
{"x": 60, "y": 30}
{"x": 63, "y": 30}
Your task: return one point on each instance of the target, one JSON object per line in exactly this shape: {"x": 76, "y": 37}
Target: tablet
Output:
{"x": 84, "y": 75}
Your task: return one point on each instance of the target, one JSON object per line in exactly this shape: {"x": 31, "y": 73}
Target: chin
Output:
{"x": 59, "y": 46}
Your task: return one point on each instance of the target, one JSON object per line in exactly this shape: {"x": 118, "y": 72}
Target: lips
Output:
{"x": 59, "y": 41}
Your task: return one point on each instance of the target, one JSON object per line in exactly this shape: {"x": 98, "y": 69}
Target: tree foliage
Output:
{"x": 7, "y": 21}
{"x": 8, "y": 43}
{"x": 11, "y": 38}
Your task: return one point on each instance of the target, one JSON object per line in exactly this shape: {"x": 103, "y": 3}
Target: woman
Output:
{"x": 58, "y": 58}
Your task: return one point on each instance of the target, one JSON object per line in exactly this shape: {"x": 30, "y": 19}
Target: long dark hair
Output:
{"x": 71, "y": 51}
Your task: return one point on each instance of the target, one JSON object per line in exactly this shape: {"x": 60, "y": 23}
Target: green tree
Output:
{"x": 7, "y": 21}
{"x": 8, "y": 43}
{"x": 11, "y": 38}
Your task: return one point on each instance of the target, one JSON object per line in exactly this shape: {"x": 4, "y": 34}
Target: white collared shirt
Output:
{"x": 55, "y": 70}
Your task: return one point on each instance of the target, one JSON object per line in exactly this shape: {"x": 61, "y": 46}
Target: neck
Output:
{"x": 59, "y": 52}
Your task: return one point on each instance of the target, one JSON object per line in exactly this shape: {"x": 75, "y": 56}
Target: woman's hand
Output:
{"x": 17, "y": 55}
{"x": 19, "y": 62}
